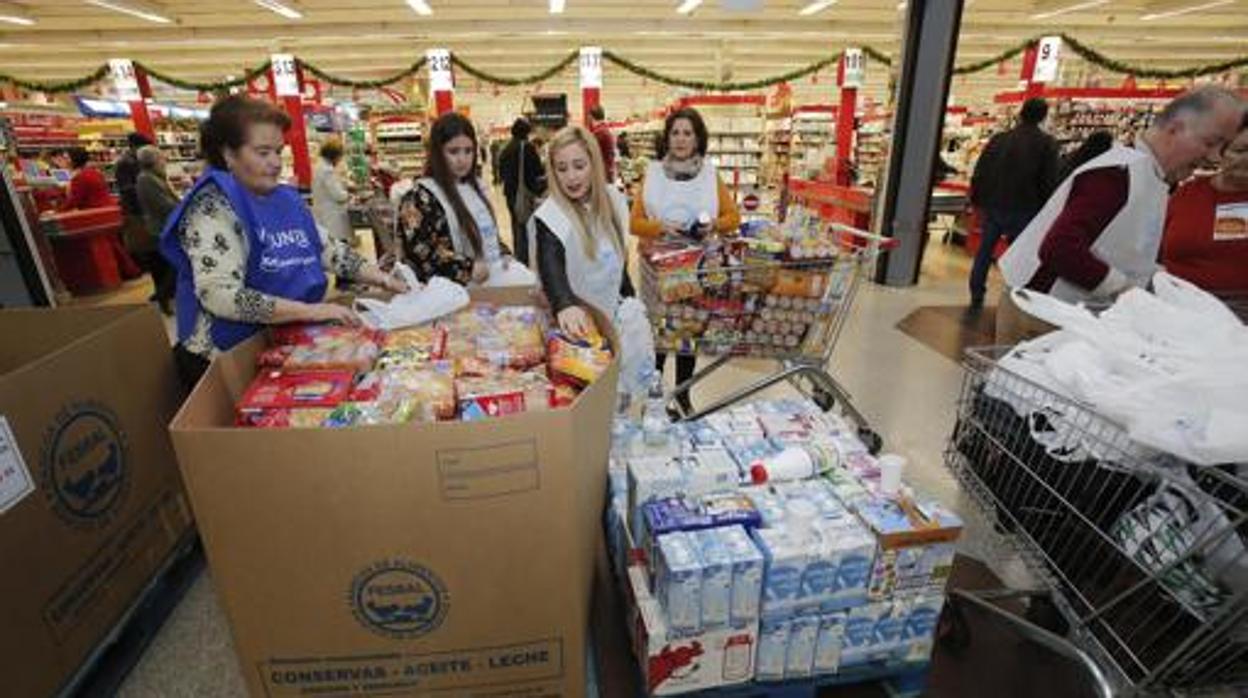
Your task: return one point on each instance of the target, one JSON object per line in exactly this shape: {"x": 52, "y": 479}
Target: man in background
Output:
{"x": 606, "y": 142}
{"x": 1100, "y": 232}
{"x": 1013, "y": 178}
{"x": 533, "y": 179}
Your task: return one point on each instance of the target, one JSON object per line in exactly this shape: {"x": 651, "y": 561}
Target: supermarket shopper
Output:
{"x": 246, "y": 249}
{"x": 156, "y": 202}
{"x": 446, "y": 221}
{"x": 330, "y": 196}
{"x": 606, "y": 142}
{"x": 1012, "y": 179}
{"x": 1100, "y": 232}
{"x": 682, "y": 196}
{"x": 520, "y": 167}
{"x": 1206, "y": 239}
{"x": 579, "y": 235}
{"x": 87, "y": 186}
{"x": 125, "y": 174}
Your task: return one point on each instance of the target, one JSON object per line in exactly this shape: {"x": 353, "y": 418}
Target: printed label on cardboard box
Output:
{"x": 488, "y": 471}
{"x": 74, "y": 601}
{"x": 85, "y": 465}
{"x": 15, "y": 480}
{"x": 503, "y": 670}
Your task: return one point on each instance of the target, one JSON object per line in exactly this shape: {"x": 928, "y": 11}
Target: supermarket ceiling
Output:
{"x": 743, "y": 39}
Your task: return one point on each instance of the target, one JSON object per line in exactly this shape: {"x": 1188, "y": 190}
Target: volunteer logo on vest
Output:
{"x": 278, "y": 255}
{"x": 398, "y": 598}
{"x": 85, "y": 471}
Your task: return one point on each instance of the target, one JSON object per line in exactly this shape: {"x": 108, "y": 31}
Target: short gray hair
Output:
{"x": 1197, "y": 102}
{"x": 148, "y": 156}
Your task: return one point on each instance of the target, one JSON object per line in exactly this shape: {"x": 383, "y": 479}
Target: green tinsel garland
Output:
{"x": 529, "y": 80}
{"x": 220, "y": 86}
{"x": 719, "y": 86}
{"x": 363, "y": 84}
{"x": 57, "y": 87}
{"x": 1094, "y": 57}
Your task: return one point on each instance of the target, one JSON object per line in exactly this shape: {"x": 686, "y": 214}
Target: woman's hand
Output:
{"x": 480, "y": 271}
{"x": 577, "y": 323}
{"x": 394, "y": 284}
{"x": 332, "y": 312}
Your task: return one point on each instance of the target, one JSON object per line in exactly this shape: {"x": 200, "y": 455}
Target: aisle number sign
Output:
{"x": 124, "y": 79}
{"x": 1047, "y": 59}
{"x": 285, "y": 75}
{"x": 440, "y": 79}
{"x": 591, "y": 67}
{"x": 854, "y": 68}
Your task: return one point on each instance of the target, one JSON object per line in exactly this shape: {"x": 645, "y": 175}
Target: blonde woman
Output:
{"x": 578, "y": 235}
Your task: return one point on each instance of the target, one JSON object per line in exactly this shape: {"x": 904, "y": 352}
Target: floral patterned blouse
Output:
{"x": 427, "y": 243}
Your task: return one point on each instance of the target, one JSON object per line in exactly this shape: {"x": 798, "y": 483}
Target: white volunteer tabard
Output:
{"x": 285, "y": 75}
{"x": 855, "y": 68}
{"x": 440, "y": 79}
{"x": 1047, "y": 57}
{"x": 591, "y": 67}
{"x": 124, "y": 79}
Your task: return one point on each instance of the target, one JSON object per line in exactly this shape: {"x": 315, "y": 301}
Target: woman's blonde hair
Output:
{"x": 600, "y": 213}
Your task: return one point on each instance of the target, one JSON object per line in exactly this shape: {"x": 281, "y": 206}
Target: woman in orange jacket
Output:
{"x": 682, "y": 196}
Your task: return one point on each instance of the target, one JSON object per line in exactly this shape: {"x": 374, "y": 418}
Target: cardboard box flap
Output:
{"x": 43, "y": 331}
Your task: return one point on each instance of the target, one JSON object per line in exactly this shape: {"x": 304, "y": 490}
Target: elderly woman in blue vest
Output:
{"x": 246, "y": 248}
{"x": 579, "y": 235}
{"x": 447, "y": 224}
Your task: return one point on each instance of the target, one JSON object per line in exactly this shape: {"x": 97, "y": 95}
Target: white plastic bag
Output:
{"x": 509, "y": 274}
{"x": 636, "y": 347}
{"x": 422, "y": 302}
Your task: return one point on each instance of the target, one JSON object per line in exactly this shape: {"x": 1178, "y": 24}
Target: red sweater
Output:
{"x": 88, "y": 189}
{"x": 1096, "y": 197}
{"x": 1207, "y": 241}
{"x": 606, "y": 143}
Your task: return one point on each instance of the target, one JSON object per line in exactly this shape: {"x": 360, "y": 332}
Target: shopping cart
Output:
{"x": 1140, "y": 556}
{"x": 727, "y": 300}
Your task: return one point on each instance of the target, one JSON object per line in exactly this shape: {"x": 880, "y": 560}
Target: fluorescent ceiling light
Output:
{"x": 134, "y": 8}
{"x": 556, "y": 6}
{"x": 816, "y": 6}
{"x": 421, "y": 7}
{"x": 15, "y": 15}
{"x": 688, "y": 6}
{"x": 286, "y": 9}
{"x": 1069, "y": 8}
{"x": 1185, "y": 10}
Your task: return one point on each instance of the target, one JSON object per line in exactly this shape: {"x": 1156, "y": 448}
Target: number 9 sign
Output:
{"x": 1047, "y": 56}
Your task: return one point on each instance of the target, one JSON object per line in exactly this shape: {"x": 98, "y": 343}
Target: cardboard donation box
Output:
{"x": 91, "y": 505}
{"x": 443, "y": 558}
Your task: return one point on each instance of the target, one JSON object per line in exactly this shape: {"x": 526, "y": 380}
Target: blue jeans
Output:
{"x": 993, "y": 223}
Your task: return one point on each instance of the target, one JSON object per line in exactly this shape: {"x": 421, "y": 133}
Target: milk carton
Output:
{"x": 828, "y": 644}
{"x": 773, "y": 644}
{"x": 730, "y": 508}
{"x": 770, "y": 505}
{"x": 716, "y": 578}
{"x": 747, "y": 575}
{"x": 920, "y": 631}
{"x": 785, "y": 564}
{"x": 799, "y": 659}
{"x": 890, "y": 626}
{"x": 710, "y": 470}
{"x": 859, "y": 634}
{"x": 678, "y": 583}
{"x": 649, "y": 479}
{"x": 851, "y": 548}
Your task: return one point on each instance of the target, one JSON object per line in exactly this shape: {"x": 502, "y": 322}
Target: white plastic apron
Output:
{"x": 491, "y": 246}
{"x": 680, "y": 203}
{"x": 595, "y": 281}
{"x": 1129, "y": 243}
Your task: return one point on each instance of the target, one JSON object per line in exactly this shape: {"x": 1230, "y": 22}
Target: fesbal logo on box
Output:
{"x": 85, "y": 469}
{"x": 399, "y": 598}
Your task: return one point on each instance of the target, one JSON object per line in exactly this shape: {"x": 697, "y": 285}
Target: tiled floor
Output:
{"x": 905, "y": 389}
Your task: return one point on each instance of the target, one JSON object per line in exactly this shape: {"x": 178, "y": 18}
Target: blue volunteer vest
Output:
{"x": 284, "y": 254}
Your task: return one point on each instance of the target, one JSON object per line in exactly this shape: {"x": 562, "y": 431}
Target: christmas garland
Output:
{"x": 1097, "y": 58}
{"x": 220, "y": 86}
{"x": 1084, "y": 51}
{"x": 363, "y": 84}
{"x": 719, "y": 86}
{"x": 57, "y": 87}
{"x": 529, "y": 80}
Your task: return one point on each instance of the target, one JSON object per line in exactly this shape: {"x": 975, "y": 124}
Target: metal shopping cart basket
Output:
{"x": 1141, "y": 557}
{"x": 730, "y": 299}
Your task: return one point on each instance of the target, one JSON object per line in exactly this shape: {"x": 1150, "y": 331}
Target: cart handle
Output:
{"x": 884, "y": 243}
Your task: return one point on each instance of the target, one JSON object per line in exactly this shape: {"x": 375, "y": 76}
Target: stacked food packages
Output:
{"x": 485, "y": 361}
{"x": 815, "y": 571}
{"x": 765, "y": 292}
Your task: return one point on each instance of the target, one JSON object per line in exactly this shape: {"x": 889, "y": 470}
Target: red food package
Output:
{"x": 302, "y": 390}
{"x": 273, "y": 357}
{"x": 284, "y": 418}
{"x": 302, "y": 333}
